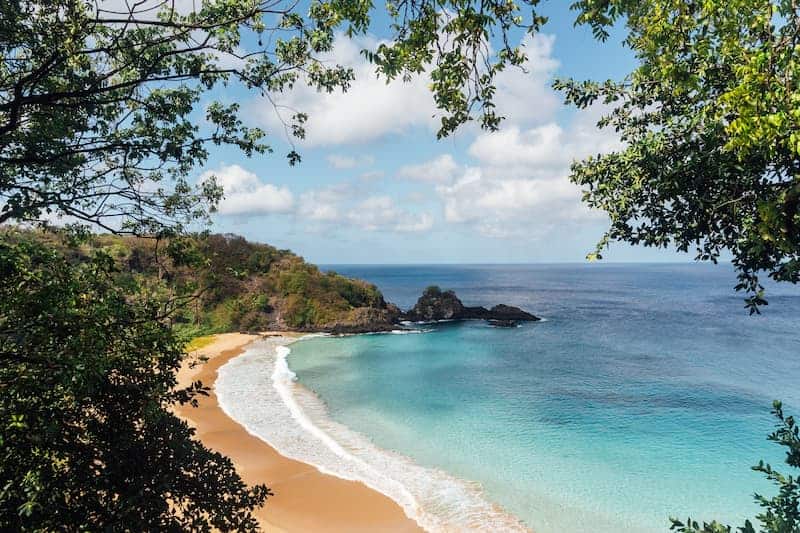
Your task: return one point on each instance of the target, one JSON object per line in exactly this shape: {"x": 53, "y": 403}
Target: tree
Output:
{"x": 710, "y": 122}
{"x": 100, "y": 100}
{"x": 87, "y": 438}
{"x": 782, "y": 512}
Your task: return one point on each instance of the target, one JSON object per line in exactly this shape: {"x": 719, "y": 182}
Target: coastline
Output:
{"x": 305, "y": 498}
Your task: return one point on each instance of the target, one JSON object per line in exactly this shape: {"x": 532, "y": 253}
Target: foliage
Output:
{"x": 100, "y": 102}
{"x": 222, "y": 283}
{"x": 710, "y": 124}
{"x": 781, "y": 513}
{"x": 250, "y": 286}
{"x": 88, "y": 441}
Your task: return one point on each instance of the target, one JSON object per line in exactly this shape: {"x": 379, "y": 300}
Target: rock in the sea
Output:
{"x": 436, "y": 304}
{"x": 509, "y": 312}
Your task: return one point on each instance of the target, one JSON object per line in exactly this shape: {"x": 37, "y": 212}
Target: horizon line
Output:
{"x": 529, "y": 263}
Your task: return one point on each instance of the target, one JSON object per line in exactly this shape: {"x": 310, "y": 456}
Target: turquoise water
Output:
{"x": 644, "y": 394}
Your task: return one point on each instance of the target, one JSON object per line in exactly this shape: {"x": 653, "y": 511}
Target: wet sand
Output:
{"x": 306, "y": 500}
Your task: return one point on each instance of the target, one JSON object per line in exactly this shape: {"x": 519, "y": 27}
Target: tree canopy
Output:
{"x": 104, "y": 116}
{"x": 88, "y": 441}
{"x": 710, "y": 122}
{"x": 101, "y": 111}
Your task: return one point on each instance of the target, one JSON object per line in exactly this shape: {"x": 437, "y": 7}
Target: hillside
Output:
{"x": 231, "y": 284}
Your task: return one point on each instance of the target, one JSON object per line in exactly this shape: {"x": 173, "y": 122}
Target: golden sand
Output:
{"x": 306, "y": 500}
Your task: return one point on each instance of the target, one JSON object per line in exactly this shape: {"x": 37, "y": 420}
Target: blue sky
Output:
{"x": 375, "y": 186}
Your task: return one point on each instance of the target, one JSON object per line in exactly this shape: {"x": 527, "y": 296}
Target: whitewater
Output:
{"x": 259, "y": 391}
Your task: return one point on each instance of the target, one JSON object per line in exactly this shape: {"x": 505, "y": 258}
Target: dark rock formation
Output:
{"x": 502, "y": 323}
{"x": 435, "y": 304}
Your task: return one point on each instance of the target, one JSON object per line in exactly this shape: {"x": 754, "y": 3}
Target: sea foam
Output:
{"x": 260, "y": 391}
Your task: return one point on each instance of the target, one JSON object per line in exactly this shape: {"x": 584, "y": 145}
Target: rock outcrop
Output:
{"x": 436, "y": 304}
{"x": 367, "y": 320}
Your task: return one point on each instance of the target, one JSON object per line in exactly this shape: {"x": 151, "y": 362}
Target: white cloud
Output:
{"x": 323, "y": 209}
{"x": 441, "y": 169}
{"x": 525, "y": 95}
{"x": 416, "y": 225}
{"x": 144, "y": 9}
{"x": 519, "y": 185}
{"x": 371, "y": 175}
{"x": 537, "y": 148}
{"x": 506, "y": 207}
{"x": 513, "y": 184}
{"x": 545, "y": 150}
{"x": 381, "y": 213}
{"x": 344, "y": 161}
{"x": 337, "y": 206}
{"x": 322, "y": 205}
{"x": 370, "y": 109}
{"x": 245, "y": 194}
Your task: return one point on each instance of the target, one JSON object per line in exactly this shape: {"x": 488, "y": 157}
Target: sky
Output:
{"x": 376, "y": 186}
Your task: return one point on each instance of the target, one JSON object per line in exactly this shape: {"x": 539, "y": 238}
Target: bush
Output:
{"x": 89, "y": 441}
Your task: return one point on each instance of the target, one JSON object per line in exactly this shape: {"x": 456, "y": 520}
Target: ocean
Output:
{"x": 644, "y": 393}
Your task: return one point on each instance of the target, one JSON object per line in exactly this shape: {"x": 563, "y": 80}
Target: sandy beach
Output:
{"x": 306, "y": 500}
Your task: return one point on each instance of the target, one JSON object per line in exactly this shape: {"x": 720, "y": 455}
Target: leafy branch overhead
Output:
{"x": 88, "y": 437}
{"x": 100, "y": 102}
{"x": 710, "y": 121}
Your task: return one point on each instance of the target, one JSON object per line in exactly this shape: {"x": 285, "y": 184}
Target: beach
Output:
{"x": 305, "y": 499}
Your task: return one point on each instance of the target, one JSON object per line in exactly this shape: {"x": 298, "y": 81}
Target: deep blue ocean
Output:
{"x": 645, "y": 393}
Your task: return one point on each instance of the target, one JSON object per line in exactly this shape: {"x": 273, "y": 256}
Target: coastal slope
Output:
{"x": 227, "y": 283}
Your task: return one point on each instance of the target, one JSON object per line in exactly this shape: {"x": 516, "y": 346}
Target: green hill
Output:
{"x": 230, "y": 284}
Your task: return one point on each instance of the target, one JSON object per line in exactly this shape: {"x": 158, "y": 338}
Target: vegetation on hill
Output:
{"x": 229, "y": 284}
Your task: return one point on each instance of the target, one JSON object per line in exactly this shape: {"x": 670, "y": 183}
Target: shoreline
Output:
{"x": 259, "y": 391}
{"x": 305, "y": 498}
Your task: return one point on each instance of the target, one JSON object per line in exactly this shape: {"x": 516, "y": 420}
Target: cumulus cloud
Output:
{"x": 439, "y": 170}
{"x": 519, "y": 182}
{"x": 547, "y": 149}
{"x": 323, "y": 205}
{"x": 325, "y": 208}
{"x": 246, "y": 194}
{"x": 510, "y": 207}
{"x": 539, "y": 148}
{"x": 381, "y": 213}
{"x": 508, "y": 183}
{"x": 524, "y": 95}
{"x": 371, "y": 175}
{"x": 344, "y": 161}
{"x": 338, "y": 206}
{"x": 370, "y": 109}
